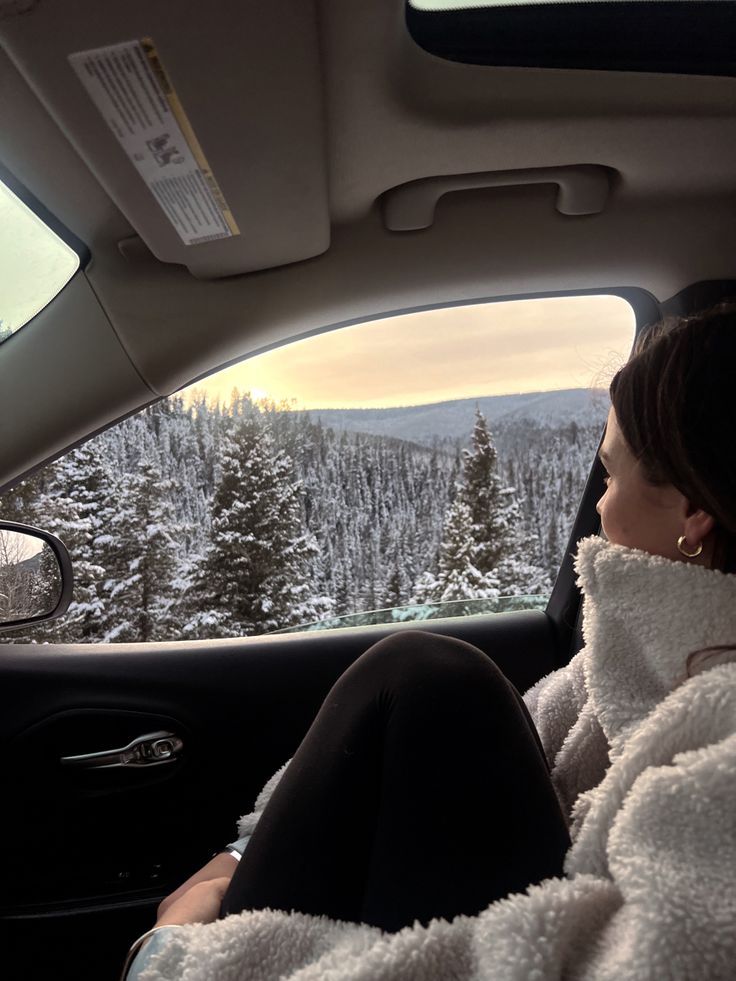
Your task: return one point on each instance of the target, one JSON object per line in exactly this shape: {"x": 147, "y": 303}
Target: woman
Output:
{"x": 418, "y": 832}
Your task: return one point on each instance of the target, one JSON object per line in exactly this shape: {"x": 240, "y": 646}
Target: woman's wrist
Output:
{"x": 139, "y": 945}
{"x": 221, "y": 864}
{"x": 200, "y": 903}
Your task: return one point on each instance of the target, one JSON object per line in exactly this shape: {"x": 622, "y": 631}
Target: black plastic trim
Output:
{"x": 564, "y": 604}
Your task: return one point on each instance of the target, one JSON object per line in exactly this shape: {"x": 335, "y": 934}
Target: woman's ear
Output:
{"x": 697, "y": 525}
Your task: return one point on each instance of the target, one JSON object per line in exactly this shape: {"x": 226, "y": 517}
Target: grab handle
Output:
{"x": 582, "y": 190}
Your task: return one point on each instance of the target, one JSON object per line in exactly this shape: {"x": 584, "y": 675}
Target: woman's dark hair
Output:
{"x": 675, "y": 403}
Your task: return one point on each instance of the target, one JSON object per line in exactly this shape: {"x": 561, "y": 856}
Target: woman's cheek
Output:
{"x": 607, "y": 511}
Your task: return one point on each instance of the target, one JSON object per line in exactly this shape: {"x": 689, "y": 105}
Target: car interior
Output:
{"x": 366, "y": 159}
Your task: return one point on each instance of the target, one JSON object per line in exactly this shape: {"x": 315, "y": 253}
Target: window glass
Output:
{"x": 422, "y": 465}
{"x": 35, "y": 264}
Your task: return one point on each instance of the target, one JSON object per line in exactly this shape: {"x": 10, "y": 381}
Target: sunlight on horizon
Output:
{"x": 460, "y": 352}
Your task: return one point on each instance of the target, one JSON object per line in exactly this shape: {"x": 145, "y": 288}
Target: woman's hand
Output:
{"x": 221, "y": 866}
{"x": 199, "y": 904}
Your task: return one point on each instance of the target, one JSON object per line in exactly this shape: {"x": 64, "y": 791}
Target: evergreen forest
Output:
{"x": 195, "y": 520}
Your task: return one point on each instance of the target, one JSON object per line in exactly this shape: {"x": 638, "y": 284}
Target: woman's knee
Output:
{"x": 418, "y": 657}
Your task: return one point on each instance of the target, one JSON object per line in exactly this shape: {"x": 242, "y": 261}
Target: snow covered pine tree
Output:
{"x": 76, "y": 506}
{"x": 485, "y": 552}
{"x": 142, "y": 559}
{"x": 253, "y": 577}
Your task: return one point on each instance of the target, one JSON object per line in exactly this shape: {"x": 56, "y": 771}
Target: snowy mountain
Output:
{"x": 453, "y": 420}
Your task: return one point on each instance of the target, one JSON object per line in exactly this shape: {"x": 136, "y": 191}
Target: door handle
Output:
{"x": 150, "y": 750}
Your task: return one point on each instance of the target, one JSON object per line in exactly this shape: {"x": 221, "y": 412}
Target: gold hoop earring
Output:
{"x": 690, "y": 555}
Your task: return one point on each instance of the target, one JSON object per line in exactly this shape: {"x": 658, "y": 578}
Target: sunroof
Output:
{"x": 464, "y": 4}
{"x": 691, "y": 37}
{"x": 35, "y": 263}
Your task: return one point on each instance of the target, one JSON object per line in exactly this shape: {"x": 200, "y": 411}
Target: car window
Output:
{"x": 422, "y": 465}
{"x": 35, "y": 264}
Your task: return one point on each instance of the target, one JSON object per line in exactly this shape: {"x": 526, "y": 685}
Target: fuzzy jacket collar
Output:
{"x": 642, "y": 616}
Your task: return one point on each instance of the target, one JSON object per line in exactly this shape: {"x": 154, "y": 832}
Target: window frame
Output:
{"x": 563, "y": 606}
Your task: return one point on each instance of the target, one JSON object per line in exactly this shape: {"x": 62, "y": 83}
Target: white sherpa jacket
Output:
{"x": 644, "y": 763}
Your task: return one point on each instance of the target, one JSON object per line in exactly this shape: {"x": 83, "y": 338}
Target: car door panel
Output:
{"x": 102, "y": 846}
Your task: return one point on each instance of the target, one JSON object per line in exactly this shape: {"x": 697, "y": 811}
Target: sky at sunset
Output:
{"x": 437, "y": 355}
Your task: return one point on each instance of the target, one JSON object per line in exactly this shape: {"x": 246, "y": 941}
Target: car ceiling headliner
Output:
{"x": 308, "y": 113}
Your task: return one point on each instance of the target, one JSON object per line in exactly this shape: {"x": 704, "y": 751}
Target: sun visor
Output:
{"x": 210, "y": 140}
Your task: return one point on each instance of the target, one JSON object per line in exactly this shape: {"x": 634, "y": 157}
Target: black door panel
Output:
{"x": 103, "y": 845}
{"x": 73, "y": 945}
{"x": 124, "y": 810}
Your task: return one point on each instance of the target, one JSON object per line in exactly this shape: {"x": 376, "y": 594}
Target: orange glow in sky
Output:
{"x": 438, "y": 355}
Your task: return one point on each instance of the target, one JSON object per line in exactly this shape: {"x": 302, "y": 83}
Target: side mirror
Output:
{"x": 35, "y": 575}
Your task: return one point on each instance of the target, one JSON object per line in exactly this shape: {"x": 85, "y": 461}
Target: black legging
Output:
{"x": 421, "y": 790}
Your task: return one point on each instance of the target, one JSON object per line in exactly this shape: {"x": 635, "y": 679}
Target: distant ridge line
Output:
{"x": 453, "y": 419}
{"x": 593, "y": 392}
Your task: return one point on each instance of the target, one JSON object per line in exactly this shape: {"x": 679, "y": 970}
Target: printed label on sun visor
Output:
{"x": 130, "y": 87}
